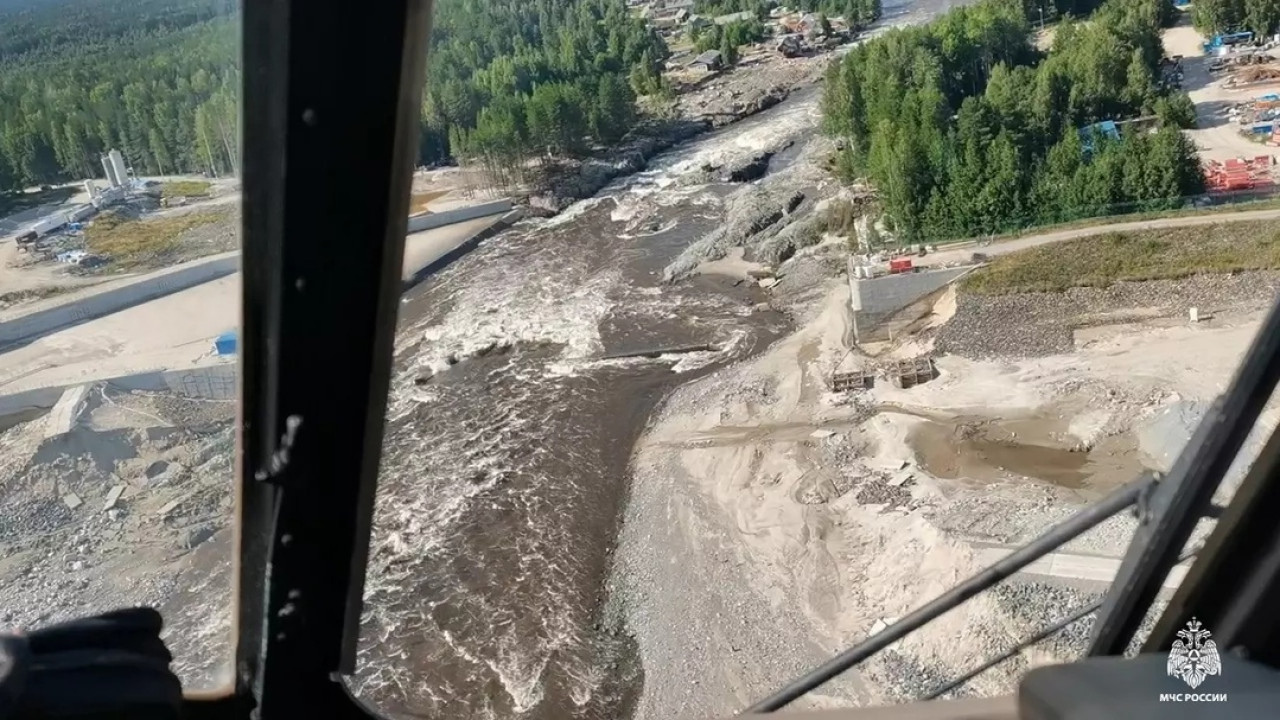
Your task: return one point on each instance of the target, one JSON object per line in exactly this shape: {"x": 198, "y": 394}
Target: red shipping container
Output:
{"x": 899, "y": 265}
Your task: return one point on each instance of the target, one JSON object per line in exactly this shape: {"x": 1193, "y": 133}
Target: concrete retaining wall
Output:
{"x": 63, "y": 416}
{"x": 29, "y": 400}
{"x": 427, "y": 221}
{"x": 463, "y": 248}
{"x": 43, "y": 322}
{"x": 877, "y": 299}
{"x": 209, "y": 382}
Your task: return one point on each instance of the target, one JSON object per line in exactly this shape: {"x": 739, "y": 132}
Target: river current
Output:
{"x": 510, "y": 427}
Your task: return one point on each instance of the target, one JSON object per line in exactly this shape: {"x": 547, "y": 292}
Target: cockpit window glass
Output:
{"x": 119, "y": 308}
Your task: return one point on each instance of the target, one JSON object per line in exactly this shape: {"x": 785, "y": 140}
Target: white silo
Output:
{"x": 90, "y": 188}
{"x": 117, "y": 161}
{"x": 110, "y": 170}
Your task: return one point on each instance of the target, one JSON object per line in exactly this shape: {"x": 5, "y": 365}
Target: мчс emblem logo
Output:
{"x": 1194, "y": 656}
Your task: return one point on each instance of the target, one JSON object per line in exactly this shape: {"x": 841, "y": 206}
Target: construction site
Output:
{"x": 921, "y": 424}
{"x": 1233, "y": 81}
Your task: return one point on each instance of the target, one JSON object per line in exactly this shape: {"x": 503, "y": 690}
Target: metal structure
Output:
{"x": 914, "y": 371}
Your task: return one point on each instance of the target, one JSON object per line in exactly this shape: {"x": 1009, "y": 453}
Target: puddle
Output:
{"x": 991, "y": 450}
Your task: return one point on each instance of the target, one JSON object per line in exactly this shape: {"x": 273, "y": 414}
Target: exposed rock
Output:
{"x": 747, "y": 169}
{"x": 582, "y": 179}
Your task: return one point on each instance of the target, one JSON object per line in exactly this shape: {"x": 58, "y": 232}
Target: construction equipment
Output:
{"x": 1239, "y": 174}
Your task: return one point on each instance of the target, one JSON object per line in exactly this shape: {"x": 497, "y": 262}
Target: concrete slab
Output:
{"x": 424, "y": 248}
{"x": 113, "y": 496}
{"x": 875, "y": 300}
{"x": 62, "y": 418}
{"x": 1074, "y": 567}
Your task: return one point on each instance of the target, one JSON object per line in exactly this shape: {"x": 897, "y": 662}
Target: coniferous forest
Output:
{"x": 965, "y": 128}
{"x": 509, "y": 80}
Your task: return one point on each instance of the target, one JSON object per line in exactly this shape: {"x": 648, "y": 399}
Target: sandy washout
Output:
{"x": 772, "y": 522}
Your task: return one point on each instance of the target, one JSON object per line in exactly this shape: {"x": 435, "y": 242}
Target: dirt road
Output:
{"x": 962, "y": 252}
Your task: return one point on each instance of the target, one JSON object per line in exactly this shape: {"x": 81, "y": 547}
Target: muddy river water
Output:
{"x": 510, "y": 426}
{"x": 1041, "y": 448}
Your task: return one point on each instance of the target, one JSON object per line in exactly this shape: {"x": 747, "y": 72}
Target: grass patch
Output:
{"x": 185, "y": 188}
{"x": 1103, "y": 260}
{"x": 129, "y": 242}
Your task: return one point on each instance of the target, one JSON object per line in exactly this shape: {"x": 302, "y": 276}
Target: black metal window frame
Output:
{"x": 330, "y": 113}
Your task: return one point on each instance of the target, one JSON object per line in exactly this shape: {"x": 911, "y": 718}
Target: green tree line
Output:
{"x": 158, "y": 80}
{"x": 727, "y": 38}
{"x": 509, "y": 82}
{"x": 1219, "y": 16}
{"x": 965, "y": 128}
{"x": 514, "y": 82}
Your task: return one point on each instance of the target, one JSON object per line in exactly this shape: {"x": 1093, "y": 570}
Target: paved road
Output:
{"x": 173, "y": 331}
{"x": 962, "y": 253}
{"x": 1073, "y": 567}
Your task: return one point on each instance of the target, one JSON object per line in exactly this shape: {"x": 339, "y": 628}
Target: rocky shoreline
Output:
{"x": 739, "y": 95}
{"x": 1038, "y": 324}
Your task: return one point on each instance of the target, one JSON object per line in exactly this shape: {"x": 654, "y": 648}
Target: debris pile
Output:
{"x": 112, "y": 513}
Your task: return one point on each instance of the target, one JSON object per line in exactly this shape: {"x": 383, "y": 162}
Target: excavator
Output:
{"x": 331, "y": 94}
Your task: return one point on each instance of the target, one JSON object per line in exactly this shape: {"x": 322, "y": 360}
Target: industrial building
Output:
{"x": 118, "y": 184}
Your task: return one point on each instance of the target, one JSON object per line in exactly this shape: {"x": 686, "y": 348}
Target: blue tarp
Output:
{"x": 225, "y": 344}
{"x": 1106, "y": 127}
{"x": 1228, "y": 39}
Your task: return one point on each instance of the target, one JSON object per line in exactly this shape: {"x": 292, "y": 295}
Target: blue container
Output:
{"x": 225, "y": 344}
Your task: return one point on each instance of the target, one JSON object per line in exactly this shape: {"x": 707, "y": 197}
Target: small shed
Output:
{"x": 225, "y": 344}
{"x": 709, "y": 61}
